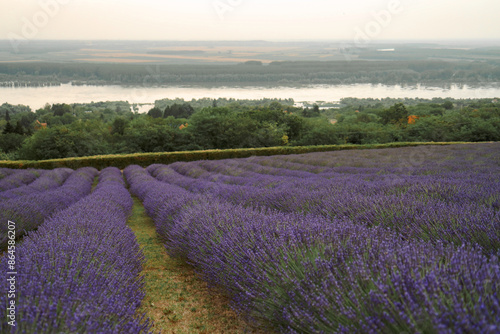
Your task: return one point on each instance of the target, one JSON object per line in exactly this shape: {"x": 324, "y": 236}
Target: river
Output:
{"x": 37, "y": 97}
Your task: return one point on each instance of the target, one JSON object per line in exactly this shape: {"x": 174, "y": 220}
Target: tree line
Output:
{"x": 278, "y": 72}
{"x": 63, "y": 130}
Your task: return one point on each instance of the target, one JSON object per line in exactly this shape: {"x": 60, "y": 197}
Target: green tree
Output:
{"x": 317, "y": 132}
{"x": 432, "y": 128}
{"x": 214, "y": 128}
{"x": 315, "y": 110}
{"x": 294, "y": 125}
{"x": 11, "y": 142}
{"x": 4, "y": 156}
{"x": 119, "y": 125}
{"x": 448, "y": 105}
{"x": 76, "y": 140}
{"x": 146, "y": 134}
{"x": 19, "y": 128}
{"x": 479, "y": 130}
{"x": 155, "y": 112}
{"x": 27, "y": 120}
{"x": 275, "y": 106}
{"x": 8, "y": 128}
{"x": 178, "y": 110}
{"x": 270, "y": 134}
{"x": 61, "y": 109}
{"x": 397, "y": 114}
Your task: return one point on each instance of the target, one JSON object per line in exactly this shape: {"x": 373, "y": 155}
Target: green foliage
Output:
{"x": 102, "y": 128}
{"x": 179, "y": 110}
{"x": 4, "y": 156}
{"x": 317, "y": 132}
{"x": 409, "y": 71}
{"x": 119, "y": 126}
{"x": 11, "y": 142}
{"x": 224, "y": 128}
{"x": 12, "y": 110}
{"x": 19, "y": 128}
{"x": 8, "y": 128}
{"x": 147, "y": 134}
{"x": 155, "y": 112}
{"x": 367, "y": 133}
{"x": 217, "y": 127}
{"x": 397, "y": 114}
{"x": 314, "y": 112}
{"x": 198, "y": 104}
{"x": 61, "y": 109}
{"x": 448, "y": 105}
{"x": 27, "y": 120}
{"x": 79, "y": 139}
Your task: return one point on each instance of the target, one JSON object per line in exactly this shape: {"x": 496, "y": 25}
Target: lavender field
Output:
{"x": 399, "y": 240}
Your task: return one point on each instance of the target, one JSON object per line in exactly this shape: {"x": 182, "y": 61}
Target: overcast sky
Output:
{"x": 250, "y": 19}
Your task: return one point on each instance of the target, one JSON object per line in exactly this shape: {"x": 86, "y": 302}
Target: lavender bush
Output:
{"x": 49, "y": 180}
{"x": 19, "y": 178}
{"x": 302, "y": 274}
{"x": 342, "y": 242}
{"x": 5, "y": 172}
{"x": 79, "y": 272}
{"x": 452, "y": 200}
{"x": 29, "y": 211}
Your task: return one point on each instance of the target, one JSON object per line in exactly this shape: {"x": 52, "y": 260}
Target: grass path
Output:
{"x": 176, "y": 300}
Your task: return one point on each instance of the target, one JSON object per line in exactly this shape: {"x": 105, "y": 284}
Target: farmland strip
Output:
{"x": 176, "y": 300}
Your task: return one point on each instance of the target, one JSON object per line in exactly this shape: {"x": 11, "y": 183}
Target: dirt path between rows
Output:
{"x": 176, "y": 299}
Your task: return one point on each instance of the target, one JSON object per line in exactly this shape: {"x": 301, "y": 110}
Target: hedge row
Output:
{"x": 146, "y": 159}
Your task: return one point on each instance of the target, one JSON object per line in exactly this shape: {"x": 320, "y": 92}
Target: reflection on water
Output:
{"x": 37, "y": 97}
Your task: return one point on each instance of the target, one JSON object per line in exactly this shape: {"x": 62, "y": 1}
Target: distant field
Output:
{"x": 40, "y": 63}
{"x": 142, "y": 57}
{"x": 170, "y": 52}
{"x": 116, "y": 60}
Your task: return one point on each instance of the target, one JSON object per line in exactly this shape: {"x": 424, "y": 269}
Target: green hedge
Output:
{"x": 146, "y": 159}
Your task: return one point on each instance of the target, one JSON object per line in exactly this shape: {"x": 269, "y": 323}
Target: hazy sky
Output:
{"x": 250, "y": 19}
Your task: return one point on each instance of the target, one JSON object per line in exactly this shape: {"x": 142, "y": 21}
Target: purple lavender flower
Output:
{"x": 79, "y": 272}
{"x": 340, "y": 242}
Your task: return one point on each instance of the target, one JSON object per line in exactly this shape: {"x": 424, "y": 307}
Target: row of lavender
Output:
{"x": 79, "y": 272}
{"x": 11, "y": 178}
{"x": 47, "y": 180}
{"x": 460, "y": 205}
{"x": 5, "y": 172}
{"x": 30, "y": 204}
{"x": 320, "y": 272}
